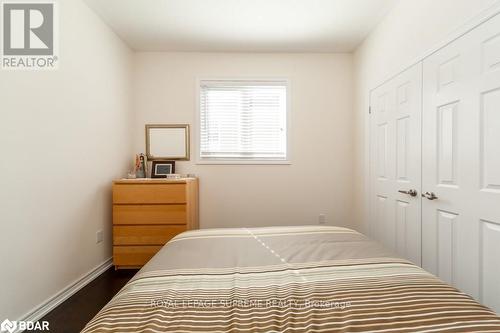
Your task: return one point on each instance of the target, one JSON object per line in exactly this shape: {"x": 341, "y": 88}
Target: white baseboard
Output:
{"x": 45, "y": 307}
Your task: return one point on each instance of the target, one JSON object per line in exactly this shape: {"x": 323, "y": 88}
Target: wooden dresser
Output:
{"x": 147, "y": 213}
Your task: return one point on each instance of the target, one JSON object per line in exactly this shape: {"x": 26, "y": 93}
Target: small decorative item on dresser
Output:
{"x": 160, "y": 169}
{"x": 140, "y": 166}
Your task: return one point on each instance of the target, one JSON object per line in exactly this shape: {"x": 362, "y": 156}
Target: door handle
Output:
{"x": 430, "y": 195}
{"x": 411, "y": 192}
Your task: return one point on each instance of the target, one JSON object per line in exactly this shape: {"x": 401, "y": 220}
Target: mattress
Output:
{"x": 286, "y": 279}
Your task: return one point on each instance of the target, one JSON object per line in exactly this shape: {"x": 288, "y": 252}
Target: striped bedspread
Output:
{"x": 286, "y": 279}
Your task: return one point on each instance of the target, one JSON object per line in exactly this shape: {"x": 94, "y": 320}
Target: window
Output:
{"x": 243, "y": 121}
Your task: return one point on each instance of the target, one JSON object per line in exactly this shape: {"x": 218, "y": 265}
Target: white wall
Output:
{"x": 320, "y": 177}
{"x": 64, "y": 135}
{"x": 411, "y": 29}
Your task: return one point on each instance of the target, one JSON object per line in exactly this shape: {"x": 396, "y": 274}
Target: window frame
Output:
{"x": 232, "y": 161}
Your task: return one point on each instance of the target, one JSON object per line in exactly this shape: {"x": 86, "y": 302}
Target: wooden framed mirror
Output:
{"x": 167, "y": 142}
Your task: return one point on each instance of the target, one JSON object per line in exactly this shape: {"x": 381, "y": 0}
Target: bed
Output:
{"x": 286, "y": 279}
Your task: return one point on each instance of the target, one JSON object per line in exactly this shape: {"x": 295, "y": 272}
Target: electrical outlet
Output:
{"x": 98, "y": 236}
{"x": 322, "y": 218}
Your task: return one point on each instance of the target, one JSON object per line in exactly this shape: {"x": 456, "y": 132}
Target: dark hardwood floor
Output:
{"x": 72, "y": 315}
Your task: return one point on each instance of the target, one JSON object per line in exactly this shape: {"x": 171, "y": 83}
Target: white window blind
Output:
{"x": 243, "y": 120}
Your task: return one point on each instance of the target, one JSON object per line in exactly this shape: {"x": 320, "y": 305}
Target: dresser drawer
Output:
{"x": 149, "y": 214}
{"x": 133, "y": 256}
{"x": 145, "y": 235}
{"x": 149, "y": 193}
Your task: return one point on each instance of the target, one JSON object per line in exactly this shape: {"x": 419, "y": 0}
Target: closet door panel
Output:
{"x": 490, "y": 268}
{"x": 488, "y": 182}
{"x": 461, "y": 163}
{"x": 395, "y": 151}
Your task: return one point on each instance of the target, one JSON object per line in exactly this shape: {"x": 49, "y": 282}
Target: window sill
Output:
{"x": 239, "y": 162}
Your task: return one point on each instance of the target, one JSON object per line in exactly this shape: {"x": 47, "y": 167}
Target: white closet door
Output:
{"x": 461, "y": 164}
{"x": 395, "y": 164}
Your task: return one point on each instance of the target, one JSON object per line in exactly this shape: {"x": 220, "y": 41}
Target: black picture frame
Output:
{"x": 160, "y": 169}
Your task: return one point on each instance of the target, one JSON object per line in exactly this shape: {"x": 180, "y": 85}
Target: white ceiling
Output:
{"x": 242, "y": 25}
